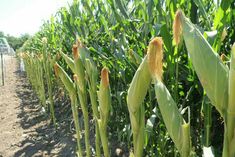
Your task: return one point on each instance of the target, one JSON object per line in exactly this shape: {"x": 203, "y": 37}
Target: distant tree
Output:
{"x": 15, "y": 42}
{"x": 1, "y": 34}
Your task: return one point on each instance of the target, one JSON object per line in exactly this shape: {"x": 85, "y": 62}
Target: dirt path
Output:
{"x": 10, "y": 130}
{"x": 24, "y": 128}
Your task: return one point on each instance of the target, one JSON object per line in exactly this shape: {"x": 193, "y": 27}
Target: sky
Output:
{"x": 18, "y": 17}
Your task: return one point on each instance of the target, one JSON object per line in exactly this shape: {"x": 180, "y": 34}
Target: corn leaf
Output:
{"x": 68, "y": 60}
{"x": 213, "y": 74}
{"x": 178, "y": 130}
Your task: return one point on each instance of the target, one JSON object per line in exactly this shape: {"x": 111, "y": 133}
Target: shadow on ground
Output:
{"x": 40, "y": 137}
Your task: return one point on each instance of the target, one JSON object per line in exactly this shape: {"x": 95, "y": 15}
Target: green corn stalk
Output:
{"x": 34, "y": 71}
{"x": 48, "y": 75}
{"x": 27, "y": 65}
{"x": 70, "y": 87}
{"x": 104, "y": 98}
{"x": 92, "y": 83}
{"x": 81, "y": 89}
{"x": 176, "y": 126}
{"x": 207, "y": 120}
{"x": 135, "y": 98}
{"x": 41, "y": 82}
{"x": 217, "y": 79}
{"x": 229, "y": 136}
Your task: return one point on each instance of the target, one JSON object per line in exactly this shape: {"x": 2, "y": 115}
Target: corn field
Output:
{"x": 154, "y": 77}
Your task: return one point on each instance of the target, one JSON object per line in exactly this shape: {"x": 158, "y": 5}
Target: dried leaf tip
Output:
{"x": 177, "y": 27}
{"x": 75, "y": 52}
{"x": 56, "y": 69}
{"x": 105, "y": 77}
{"x": 155, "y": 56}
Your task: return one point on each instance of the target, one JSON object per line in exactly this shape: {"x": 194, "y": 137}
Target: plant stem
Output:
{"x": 103, "y": 136}
{"x": 76, "y": 122}
{"x": 97, "y": 140}
{"x": 207, "y": 121}
{"x": 47, "y": 69}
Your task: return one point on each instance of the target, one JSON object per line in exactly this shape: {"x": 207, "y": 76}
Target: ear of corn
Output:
{"x": 139, "y": 87}
{"x": 92, "y": 83}
{"x": 104, "y": 98}
{"x": 135, "y": 97}
{"x": 179, "y": 130}
{"x": 216, "y": 78}
{"x": 77, "y": 66}
{"x": 212, "y": 73}
{"x": 70, "y": 87}
{"x": 92, "y": 76}
{"x": 79, "y": 70}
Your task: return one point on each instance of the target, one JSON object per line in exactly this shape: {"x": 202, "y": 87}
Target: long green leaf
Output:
{"x": 179, "y": 130}
{"x": 213, "y": 74}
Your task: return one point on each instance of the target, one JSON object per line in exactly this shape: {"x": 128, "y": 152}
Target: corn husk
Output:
{"x": 213, "y": 74}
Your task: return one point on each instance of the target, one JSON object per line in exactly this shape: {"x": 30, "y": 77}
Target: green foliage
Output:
{"x": 111, "y": 29}
{"x": 15, "y": 42}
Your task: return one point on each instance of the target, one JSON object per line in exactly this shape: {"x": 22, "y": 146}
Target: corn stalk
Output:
{"x": 35, "y": 73}
{"x": 91, "y": 72}
{"x": 48, "y": 74}
{"x": 104, "y": 98}
{"x": 70, "y": 87}
{"x": 77, "y": 66}
{"x": 82, "y": 94}
{"x": 135, "y": 98}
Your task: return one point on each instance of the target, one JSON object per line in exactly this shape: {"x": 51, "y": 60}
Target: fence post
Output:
{"x": 2, "y": 69}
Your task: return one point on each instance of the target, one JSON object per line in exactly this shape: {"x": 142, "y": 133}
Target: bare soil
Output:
{"x": 24, "y": 129}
